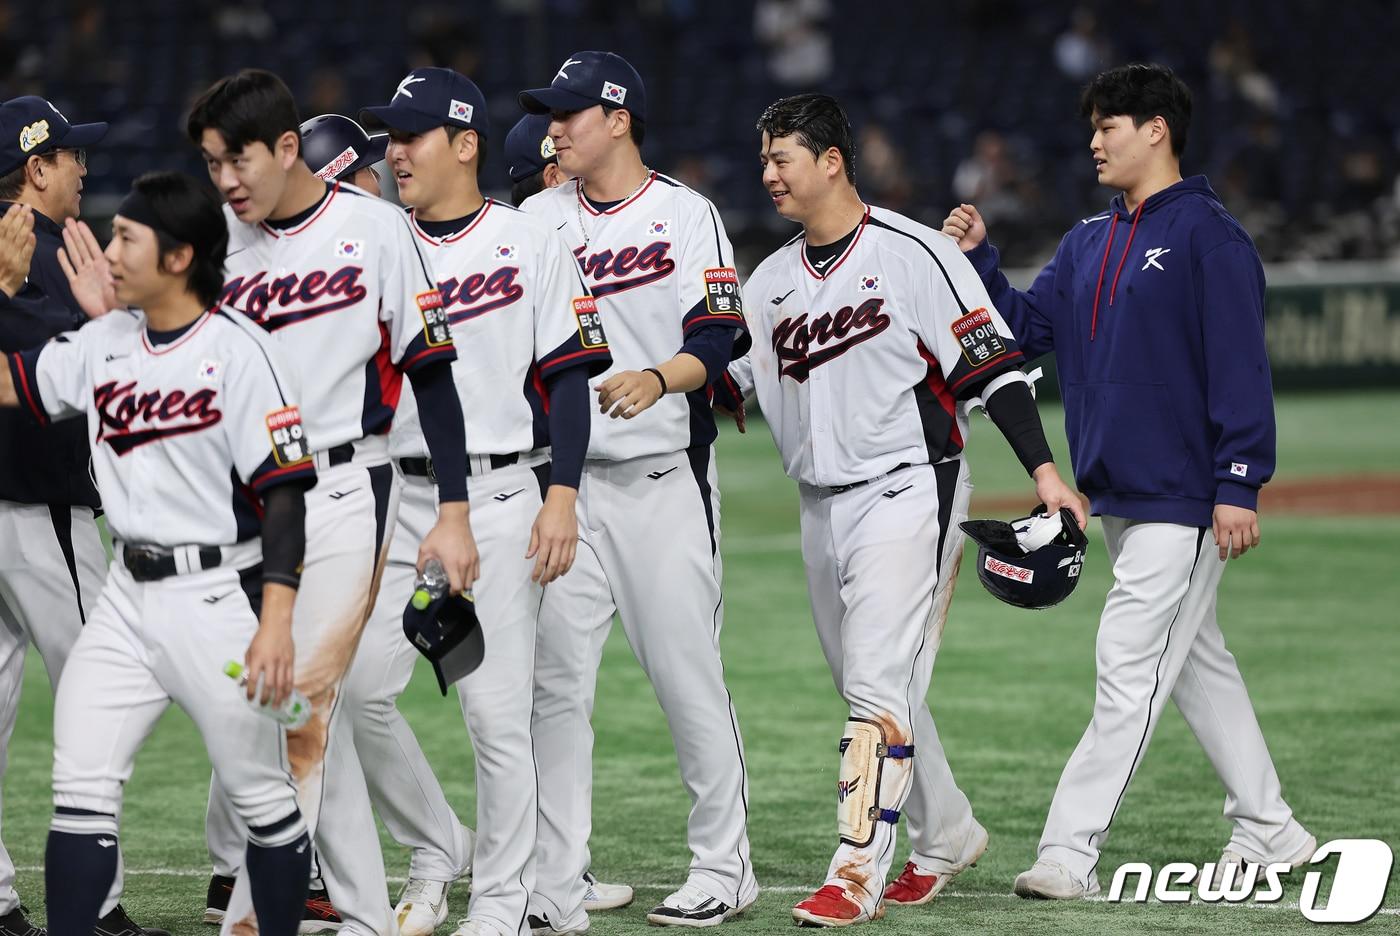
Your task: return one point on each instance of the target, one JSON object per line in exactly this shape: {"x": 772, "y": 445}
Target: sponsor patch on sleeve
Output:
{"x": 436, "y": 331}
{"x": 590, "y": 323}
{"x": 288, "y": 437}
{"x": 977, "y": 335}
{"x": 722, "y": 291}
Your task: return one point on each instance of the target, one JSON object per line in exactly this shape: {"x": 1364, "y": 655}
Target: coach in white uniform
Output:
{"x": 189, "y": 422}
{"x": 336, "y": 276}
{"x": 655, "y": 256}
{"x": 872, "y": 329}
{"x": 528, "y": 338}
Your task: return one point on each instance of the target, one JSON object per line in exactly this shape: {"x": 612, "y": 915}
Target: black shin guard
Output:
{"x": 79, "y": 867}
{"x": 279, "y": 872}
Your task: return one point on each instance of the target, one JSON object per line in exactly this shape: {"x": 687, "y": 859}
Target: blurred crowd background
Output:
{"x": 1297, "y": 116}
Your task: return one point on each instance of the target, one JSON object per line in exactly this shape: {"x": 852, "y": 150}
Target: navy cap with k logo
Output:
{"x": 31, "y": 126}
{"x": 428, "y": 98}
{"x": 589, "y": 78}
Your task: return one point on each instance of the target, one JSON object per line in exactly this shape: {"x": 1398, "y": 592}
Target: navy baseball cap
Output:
{"x": 30, "y": 126}
{"x": 336, "y": 147}
{"x": 589, "y": 78}
{"x": 529, "y": 147}
{"x": 428, "y": 98}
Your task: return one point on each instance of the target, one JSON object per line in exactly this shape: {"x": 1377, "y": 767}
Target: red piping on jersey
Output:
{"x": 936, "y": 383}
{"x": 555, "y": 362}
{"x": 860, "y": 229}
{"x": 305, "y": 466}
{"x": 435, "y": 241}
{"x": 578, "y": 189}
{"x": 145, "y": 341}
{"x": 335, "y": 188}
{"x": 1113, "y": 289}
{"x": 34, "y": 408}
{"x": 1001, "y": 359}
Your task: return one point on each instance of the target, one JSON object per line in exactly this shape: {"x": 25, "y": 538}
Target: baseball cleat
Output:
{"x": 422, "y": 907}
{"x": 1050, "y": 880}
{"x": 16, "y": 923}
{"x": 474, "y": 928}
{"x": 117, "y": 923}
{"x": 833, "y": 905}
{"x": 216, "y": 900}
{"x": 319, "y": 916}
{"x": 541, "y": 926}
{"x": 915, "y": 886}
{"x": 599, "y": 896}
{"x": 1232, "y": 858}
{"x": 690, "y": 906}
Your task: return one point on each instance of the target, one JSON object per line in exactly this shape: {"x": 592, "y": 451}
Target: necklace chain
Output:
{"x": 578, "y": 202}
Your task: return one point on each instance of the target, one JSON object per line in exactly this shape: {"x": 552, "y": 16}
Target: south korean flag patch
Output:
{"x": 436, "y": 331}
{"x": 590, "y": 323}
{"x": 288, "y": 438}
{"x": 977, "y": 335}
{"x": 722, "y": 292}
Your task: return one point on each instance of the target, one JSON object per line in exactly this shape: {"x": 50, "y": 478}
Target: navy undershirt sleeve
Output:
{"x": 1012, "y": 409}
{"x": 440, "y": 413}
{"x": 568, "y": 425}
{"x": 714, "y": 346}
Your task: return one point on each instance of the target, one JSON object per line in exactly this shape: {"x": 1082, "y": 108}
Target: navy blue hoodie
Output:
{"x": 1156, "y": 319}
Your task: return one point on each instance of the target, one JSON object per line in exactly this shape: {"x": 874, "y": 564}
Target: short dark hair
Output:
{"x": 12, "y": 183}
{"x": 527, "y": 188}
{"x": 188, "y": 213}
{"x": 253, "y": 106}
{"x": 818, "y": 121}
{"x": 1141, "y": 91}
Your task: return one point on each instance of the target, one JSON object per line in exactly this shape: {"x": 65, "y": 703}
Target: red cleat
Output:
{"x": 832, "y": 905}
{"x": 915, "y": 886}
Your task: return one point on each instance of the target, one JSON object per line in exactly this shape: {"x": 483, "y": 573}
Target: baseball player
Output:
{"x": 529, "y": 339}
{"x": 873, "y": 329}
{"x": 337, "y": 149}
{"x": 336, "y": 277}
{"x": 1158, "y": 334}
{"x": 198, "y": 452}
{"x": 656, "y": 258}
{"x": 52, "y": 563}
{"x": 530, "y": 158}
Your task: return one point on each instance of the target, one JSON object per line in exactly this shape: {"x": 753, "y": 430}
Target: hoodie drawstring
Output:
{"x": 1103, "y": 267}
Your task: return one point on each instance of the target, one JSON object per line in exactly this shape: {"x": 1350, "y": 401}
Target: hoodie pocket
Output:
{"x": 1125, "y": 438}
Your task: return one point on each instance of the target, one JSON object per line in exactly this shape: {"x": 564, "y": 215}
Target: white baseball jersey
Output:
{"x": 185, "y": 435}
{"x": 660, "y": 266}
{"x": 860, "y": 367}
{"x": 520, "y": 313}
{"x": 349, "y": 298}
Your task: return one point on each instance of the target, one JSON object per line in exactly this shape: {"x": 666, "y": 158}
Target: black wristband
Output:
{"x": 652, "y": 370}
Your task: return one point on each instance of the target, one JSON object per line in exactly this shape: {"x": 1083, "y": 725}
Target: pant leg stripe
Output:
{"x": 62, "y": 519}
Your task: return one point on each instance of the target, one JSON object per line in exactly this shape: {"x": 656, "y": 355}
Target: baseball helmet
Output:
{"x": 1033, "y": 562}
{"x": 335, "y": 147}
{"x": 448, "y": 633}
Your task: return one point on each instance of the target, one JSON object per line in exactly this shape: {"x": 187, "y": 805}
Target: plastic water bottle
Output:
{"x": 292, "y": 713}
{"x": 431, "y": 585}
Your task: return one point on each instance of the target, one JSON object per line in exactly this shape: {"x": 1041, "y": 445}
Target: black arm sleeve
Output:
{"x": 284, "y": 533}
{"x": 568, "y": 425}
{"x": 714, "y": 346}
{"x": 1013, "y": 410}
{"x": 440, "y": 413}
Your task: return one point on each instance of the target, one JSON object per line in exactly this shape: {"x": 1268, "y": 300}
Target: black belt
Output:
{"x": 423, "y": 467}
{"x": 153, "y": 563}
{"x": 842, "y": 488}
{"x": 340, "y": 454}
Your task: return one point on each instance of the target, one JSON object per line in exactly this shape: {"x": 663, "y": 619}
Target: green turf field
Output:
{"x": 1311, "y": 618}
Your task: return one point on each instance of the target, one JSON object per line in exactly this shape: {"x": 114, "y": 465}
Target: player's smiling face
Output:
{"x": 1121, "y": 151}
{"x": 792, "y": 175}
{"x": 582, "y": 139}
{"x": 426, "y": 166}
{"x": 251, "y": 179}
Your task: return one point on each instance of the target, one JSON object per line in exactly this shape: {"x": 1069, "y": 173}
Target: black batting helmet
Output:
{"x": 1033, "y": 562}
{"x": 446, "y": 631}
{"x": 336, "y": 147}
